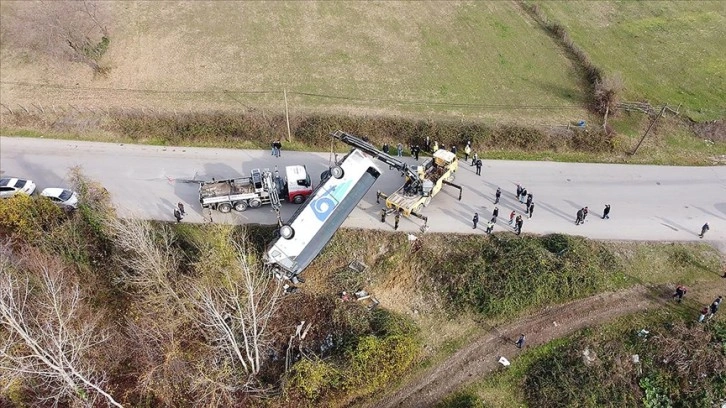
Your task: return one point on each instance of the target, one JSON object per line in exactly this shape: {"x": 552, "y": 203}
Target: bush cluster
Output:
{"x": 314, "y": 131}
{"x": 503, "y": 275}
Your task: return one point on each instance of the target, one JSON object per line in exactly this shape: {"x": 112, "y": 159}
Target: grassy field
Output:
{"x": 461, "y": 59}
{"x": 666, "y": 52}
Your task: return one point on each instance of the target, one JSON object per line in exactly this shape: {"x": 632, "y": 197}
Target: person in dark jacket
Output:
{"x": 531, "y": 209}
{"x": 497, "y": 195}
{"x": 495, "y": 213}
{"x": 704, "y": 229}
{"x": 519, "y": 223}
{"x": 520, "y": 341}
{"x": 579, "y": 219}
{"x": 476, "y": 219}
{"x": 478, "y": 167}
{"x": 606, "y": 212}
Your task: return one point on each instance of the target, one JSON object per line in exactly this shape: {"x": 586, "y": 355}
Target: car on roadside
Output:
{"x": 61, "y": 196}
{"x": 9, "y": 186}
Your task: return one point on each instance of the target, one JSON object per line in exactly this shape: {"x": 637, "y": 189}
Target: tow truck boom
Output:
{"x": 371, "y": 150}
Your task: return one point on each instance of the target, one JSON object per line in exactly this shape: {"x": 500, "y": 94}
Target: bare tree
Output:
{"x": 50, "y": 334}
{"x": 76, "y": 30}
{"x": 234, "y": 316}
{"x": 149, "y": 260}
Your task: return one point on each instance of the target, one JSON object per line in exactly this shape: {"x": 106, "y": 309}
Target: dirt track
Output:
{"x": 480, "y": 357}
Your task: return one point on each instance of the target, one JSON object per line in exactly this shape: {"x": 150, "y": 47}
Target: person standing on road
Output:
{"x": 177, "y": 215}
{"x": 497, "y": 195}
{"x": 531, "y": 209}
{"x": 478, "y": 167}
{"x": 400, "y": 150}
{"x": 519, "y": 191}
{"x": 584, "y": 214}
{"x": 385, "y": 148}
{"x": 714, "y": 307}
{"x": 524, "y": 194}
{"x": 383, "y": 215}
{"x": 519, "y": 223}
{"x": 520, "y": 341}
{"x": 579, "y": 219}
{"x": 181, "y": 208}
{"x": 474, "y": 158}
{"x": 467, "y": 152}
{"x": 511, "y": 217}
{"x": 453, "y": 149}
{"x": 490, "y": 225}
{"x": 495, "y": 213}
{"x": 606, "y": 212}
{"x": 397, "y": 219}
{"x": 529, "y": 200}
{"x": 476, "y": 219}
{"x": 680, "y": 292}
{"x": 704, "y": 229}
{"x": 276, "y": 148}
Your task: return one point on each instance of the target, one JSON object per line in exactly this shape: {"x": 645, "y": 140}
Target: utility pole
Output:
{"x": 287, "y": 117}
{"x": 648, "y": 130}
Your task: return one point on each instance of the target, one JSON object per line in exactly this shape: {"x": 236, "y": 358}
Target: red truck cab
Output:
{"x": 298, "y": 185}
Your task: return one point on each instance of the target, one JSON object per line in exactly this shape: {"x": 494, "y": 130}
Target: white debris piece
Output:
{"x": 503, "y": 361}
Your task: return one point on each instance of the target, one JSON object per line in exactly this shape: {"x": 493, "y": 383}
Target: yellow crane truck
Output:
{"x": 422, "y": 182}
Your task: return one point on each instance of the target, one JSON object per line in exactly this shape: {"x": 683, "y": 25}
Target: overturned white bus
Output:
{"x": 312, "y": 226}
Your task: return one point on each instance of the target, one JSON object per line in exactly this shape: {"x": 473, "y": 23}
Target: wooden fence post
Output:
{"x": 287, "y": 117}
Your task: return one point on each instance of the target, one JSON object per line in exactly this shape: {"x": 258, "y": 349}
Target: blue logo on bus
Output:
{"x": 324, "y": 205}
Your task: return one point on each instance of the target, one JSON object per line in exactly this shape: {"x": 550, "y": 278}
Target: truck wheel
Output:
{"x": 287, "y": 232}
{"x": 224, "y": 207}
{"x": 255, "y": 202}
{"x": 240, "y": 206}
{"x": 418, "y": 209}
{"x": 337, "y": 172}
{"x": 451, "y": 177}
{"x": 298, "y": 199}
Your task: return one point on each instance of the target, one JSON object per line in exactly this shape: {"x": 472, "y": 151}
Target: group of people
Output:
{"x": 708, "y": 312}
{"x": 524, "y": 197}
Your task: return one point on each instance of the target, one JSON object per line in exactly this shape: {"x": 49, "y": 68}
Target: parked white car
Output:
{"x": 9, "y": 186}
{"x": 61, "y": 196}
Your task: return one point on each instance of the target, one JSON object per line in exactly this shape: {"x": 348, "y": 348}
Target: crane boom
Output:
{"x": 372, "y": 150}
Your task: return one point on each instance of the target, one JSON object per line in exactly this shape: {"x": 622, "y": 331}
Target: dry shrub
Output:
{"x": 607, "y": 94}
{"x": 714, "y": 130}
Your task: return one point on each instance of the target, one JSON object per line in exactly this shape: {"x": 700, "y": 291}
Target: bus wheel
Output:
{"x": 224, "y": 207}
{"x": 287, "y": 232}
{"x": 337, "y": 172}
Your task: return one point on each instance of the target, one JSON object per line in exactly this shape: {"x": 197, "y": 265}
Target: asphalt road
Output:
{"x": 658, "y": 203}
